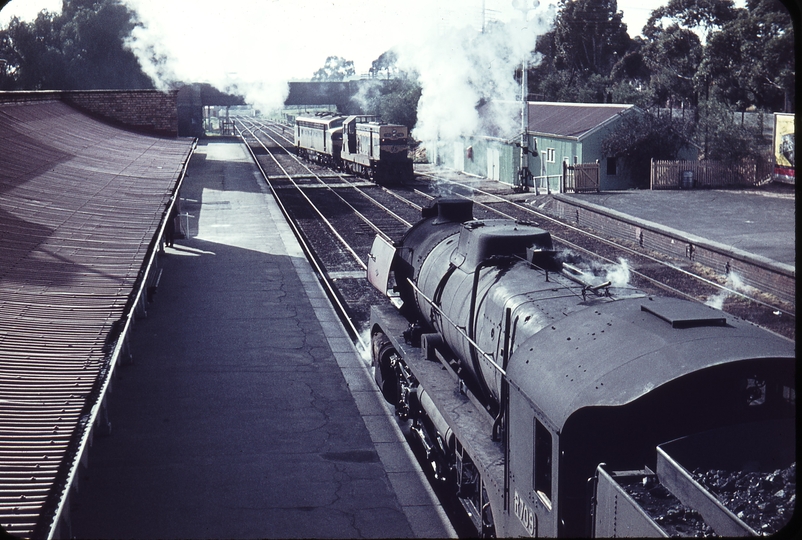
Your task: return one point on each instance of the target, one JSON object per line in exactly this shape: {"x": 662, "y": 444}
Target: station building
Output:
{"x": 559, "y": 135}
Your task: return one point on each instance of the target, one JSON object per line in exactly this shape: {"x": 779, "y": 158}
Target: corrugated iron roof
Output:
{"x": 80, "y": 204}
{"x": 574, "y": 120}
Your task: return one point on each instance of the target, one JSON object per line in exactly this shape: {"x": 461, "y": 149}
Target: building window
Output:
{"x": 550, "y": 155}
{"x": 612, "y": 166}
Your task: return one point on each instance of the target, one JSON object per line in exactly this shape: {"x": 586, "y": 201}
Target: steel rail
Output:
{"x": 356, "y": 188}
{"x": 331, "y": 227}
{"x": 328, "y": 287}
{"x": 617, "y": 246}
{"x": 320, "y": 180}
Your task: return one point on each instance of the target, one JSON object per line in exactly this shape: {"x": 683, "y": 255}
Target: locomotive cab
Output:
{"x": 637, "y": 374}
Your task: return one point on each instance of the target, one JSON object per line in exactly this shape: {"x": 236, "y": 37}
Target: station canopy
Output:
{"x": 81, "y": 204}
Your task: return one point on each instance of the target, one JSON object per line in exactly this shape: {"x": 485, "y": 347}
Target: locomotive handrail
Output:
{"x": 487, "y": 356}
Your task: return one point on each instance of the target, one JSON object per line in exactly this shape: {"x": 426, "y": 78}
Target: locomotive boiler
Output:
{"x": 540, "y": 394}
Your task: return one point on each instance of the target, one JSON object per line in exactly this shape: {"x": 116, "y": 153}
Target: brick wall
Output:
{"x": 148, "y": 111}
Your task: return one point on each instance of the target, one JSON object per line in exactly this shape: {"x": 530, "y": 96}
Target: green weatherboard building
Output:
{"x": 558, "y": 133}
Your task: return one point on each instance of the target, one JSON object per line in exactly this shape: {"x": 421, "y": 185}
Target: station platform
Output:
{"x": 246, "y": 411}
{"x": 761, "y": 222}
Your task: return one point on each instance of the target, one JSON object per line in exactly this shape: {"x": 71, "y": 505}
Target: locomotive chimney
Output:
{"x": 449, "y": 210}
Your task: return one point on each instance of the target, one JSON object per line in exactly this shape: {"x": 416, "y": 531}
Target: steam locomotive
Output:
{"x": 557, "y": 404}
{"x": 357, "y": 144}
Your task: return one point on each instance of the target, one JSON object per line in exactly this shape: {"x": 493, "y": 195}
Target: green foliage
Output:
{"x": 385, "y": 66}
{"x": 639, "y": 138}
{"x": 394, "y": 94}
{"x": 707, "y": 14}
{"x": 335, "y": 69}
{"x": 579, "y": 53}
{"x": 722, "y": 137}
{"x": 672, "y": 56}
{"x": 589, "y": 36}
{"x": 395, "y": 101}
{"x": 750, "y": 61}
{"x": 81, "y": 48}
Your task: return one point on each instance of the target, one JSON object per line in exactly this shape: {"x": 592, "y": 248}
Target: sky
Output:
{"x": 253, "y": 47}
{"x": 346, "y": 25}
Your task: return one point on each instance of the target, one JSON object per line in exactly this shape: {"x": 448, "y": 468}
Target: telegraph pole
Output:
{"x": 523, "y": 172}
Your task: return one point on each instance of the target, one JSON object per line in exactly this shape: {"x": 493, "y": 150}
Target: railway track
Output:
{"x": 650, "y": 272}
{"x": 361, "y": 210}
{"x": 336, "y": 217}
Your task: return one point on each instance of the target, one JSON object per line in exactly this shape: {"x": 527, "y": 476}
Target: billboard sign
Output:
{"x": 784, "y": 148}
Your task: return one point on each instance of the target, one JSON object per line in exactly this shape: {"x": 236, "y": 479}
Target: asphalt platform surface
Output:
{"x": 760, "y": 221}
{"x": 246, "y": 411}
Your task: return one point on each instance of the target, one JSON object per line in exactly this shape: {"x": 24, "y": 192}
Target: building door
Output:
{"x": 459, "y": 157}
{"x": 493, "y": 162}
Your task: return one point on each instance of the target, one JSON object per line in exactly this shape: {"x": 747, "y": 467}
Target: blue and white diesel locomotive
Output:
{"x": 560, "y": 406}
{"x": 356, "y": 144}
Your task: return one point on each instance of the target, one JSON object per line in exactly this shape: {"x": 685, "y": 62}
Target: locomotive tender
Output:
{"x": 538, "y": 395}
{"x": 357, "y": 144}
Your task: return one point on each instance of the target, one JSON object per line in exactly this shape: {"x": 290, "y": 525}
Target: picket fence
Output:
{"x": 710, "y": 174}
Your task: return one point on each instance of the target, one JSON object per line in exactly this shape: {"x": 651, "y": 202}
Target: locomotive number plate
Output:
{"x": 524, "y": 513}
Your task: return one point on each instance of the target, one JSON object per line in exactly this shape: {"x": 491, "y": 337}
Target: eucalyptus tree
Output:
{"x": 83, "y": 47}
{"x": 750, "y": 62}
{"x": 335, "y": 68}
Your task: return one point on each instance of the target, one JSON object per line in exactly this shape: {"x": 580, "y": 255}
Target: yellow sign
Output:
{"x": 784, "y": 140}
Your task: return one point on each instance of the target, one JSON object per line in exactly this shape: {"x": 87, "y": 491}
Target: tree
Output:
{"x": 335, "y": 69}
{"x": 81, "y": 48}
{"x": 672, "y": 55}
{"x": 750, "y": 61}
{"x": 641, "y": 137}
{"x": 578, "y": 54}
{"x": 691, "y": 14}
{"x": 385, "y": 66}
{"x": 722, "y": 138}
{"x": 589, "y": 36}
{"x": 394, "y": 100}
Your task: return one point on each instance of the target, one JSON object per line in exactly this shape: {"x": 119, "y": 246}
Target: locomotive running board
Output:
{"x": 470, "y": 424}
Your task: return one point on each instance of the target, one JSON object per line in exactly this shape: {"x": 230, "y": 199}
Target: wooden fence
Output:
{"x": 579, "y": 178}
{"x": 710, "y": 174}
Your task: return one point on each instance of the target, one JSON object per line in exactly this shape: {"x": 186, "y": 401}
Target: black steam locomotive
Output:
{"x": 358, "y": 145}
{"x": 559, "y": 405}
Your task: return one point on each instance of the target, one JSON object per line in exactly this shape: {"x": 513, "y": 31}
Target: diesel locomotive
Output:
{"x": 357, "y": 144}
{"x": 557, "y": 404}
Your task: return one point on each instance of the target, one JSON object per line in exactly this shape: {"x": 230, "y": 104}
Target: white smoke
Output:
{"x": 461, "y": 68}
{"x": 733, "y": 284}
{"x": 618, "y": 275}
{"x": 596, "y": 273}
{"x": 255, "y": 48}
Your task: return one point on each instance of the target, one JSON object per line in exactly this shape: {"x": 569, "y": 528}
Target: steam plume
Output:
{"x": 255, "y": 48}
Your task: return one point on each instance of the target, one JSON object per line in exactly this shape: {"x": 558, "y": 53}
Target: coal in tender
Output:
{"x": 666, "y": 510}
{"x": 763, "y": 500}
